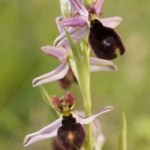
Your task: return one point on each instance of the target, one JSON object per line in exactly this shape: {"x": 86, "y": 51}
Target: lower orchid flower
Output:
{"x": 68, "y": 129}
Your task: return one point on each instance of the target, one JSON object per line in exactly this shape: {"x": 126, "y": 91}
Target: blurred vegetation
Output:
{"x": 27, "y": 25}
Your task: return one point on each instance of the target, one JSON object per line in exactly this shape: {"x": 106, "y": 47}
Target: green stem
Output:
{"x": 87, "y": 93}
{"x": 80, "y": 66}
{"x": 87, "y": 106}
{"x": 87, "y": 100}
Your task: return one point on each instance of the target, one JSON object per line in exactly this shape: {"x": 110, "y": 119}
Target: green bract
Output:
{"x": 123, "y": 134}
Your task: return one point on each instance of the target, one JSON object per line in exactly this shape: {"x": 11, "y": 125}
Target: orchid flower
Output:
{"x": 63, "y": 70}
{"x": 51, "y": 130}
{"x": 68, "y": 128}
{"x": 78, "y": 24}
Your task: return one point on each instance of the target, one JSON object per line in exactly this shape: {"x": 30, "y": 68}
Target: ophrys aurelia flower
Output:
{"x": 63, "y": 127}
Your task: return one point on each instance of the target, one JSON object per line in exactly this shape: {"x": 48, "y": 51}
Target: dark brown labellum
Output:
{"x": 104, "y": 41}
{"x": 56, "y": 145}
{"x": 71, "y": 135}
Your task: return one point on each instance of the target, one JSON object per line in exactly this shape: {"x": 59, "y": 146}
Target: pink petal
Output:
{"x": 55, "y": 99}
{"x": 99, "y": 142}
{"x": 73, "y": 21}
{"x": 111, "y": 22}
{"x": 58, "y": 53}
{"x": 78, "y": 119}
{"x": 58, "y": 19}
{"x": 37, "y": 138}
{"x": 80, "y": 33}
{"x": 76, "y": 33}
{"x": 54, "y": 75}
{"x": 90, "y": 119}
{"x": 79, "y": 7}
{"x": 97, "y": 64}
{"x": 70, "y": 97}
{"x": 45, "y": 133}
{"x": 97, "y": 6}
{"x": 96, "y": 128}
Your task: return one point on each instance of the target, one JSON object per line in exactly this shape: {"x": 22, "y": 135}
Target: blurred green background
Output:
{"x": 27, "y": 25}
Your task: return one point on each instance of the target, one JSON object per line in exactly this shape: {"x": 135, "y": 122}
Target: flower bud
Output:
{"x": 64, "y": 104}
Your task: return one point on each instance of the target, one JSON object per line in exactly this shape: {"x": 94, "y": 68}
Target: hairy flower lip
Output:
{"x": 51, "y": 130}
{"x": 104, "y": 41}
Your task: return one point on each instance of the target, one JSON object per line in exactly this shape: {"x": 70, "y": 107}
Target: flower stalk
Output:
{"x": 87, "y": 97}
{"x": 72, "y": 49}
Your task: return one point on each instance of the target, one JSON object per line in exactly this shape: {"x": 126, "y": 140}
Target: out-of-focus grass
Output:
{"x": 27, "y": 25}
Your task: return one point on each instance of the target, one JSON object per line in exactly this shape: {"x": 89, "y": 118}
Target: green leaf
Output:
{"x": 47, "y": 99}
{"x": 85, "y": 52}
{"x": 123, "y": 134}
{"x": 79, "y": 67}
{"x": 73, "y": 66}
{"x": 45, "y": 96}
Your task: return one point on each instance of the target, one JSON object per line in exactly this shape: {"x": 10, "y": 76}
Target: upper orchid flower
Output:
{"x": 79, "y": 23}
{"x": 63, "y": 72}
{"x": 68, "y": 128}
{"x": 103, "y": 39}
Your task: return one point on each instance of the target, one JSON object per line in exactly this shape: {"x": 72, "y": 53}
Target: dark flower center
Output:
{"x": 104, "y": 41}
{"x": 71, "y": 135}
